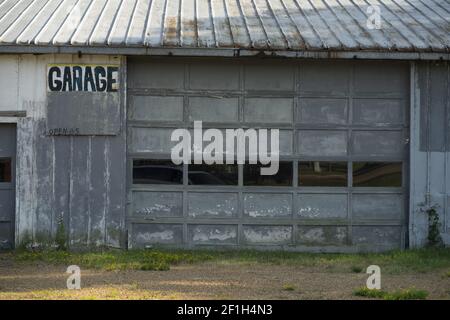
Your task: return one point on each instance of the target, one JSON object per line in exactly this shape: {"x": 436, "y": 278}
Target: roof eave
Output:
{"x": 227, "y": 52}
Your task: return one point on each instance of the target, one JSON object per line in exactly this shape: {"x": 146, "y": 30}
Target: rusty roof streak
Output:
{"x": 296, "y": 25}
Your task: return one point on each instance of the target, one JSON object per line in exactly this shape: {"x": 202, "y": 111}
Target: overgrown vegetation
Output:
{"x": 406, "y": 294}
{"x": 60, "y": 237}
{"x": 434, "y": 226}
{"x": 412, "y": 261}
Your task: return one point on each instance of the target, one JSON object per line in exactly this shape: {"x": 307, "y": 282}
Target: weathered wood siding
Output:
{"x": 78, "y": 179}
{"x": 430, "y": 149}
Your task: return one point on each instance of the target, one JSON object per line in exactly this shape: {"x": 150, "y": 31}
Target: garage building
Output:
{"x": 91, "y": 91}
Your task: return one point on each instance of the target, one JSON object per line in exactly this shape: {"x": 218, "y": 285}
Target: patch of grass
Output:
{"x": 447, "y": 274}
{"x": 289, "y": 287}
{"x": 369, "y": 293}
{"x": 357, "y": 269}
{"x": 406, "y": 294}
{"x": 395, "y": 262}
{"x": 112, "y": 260}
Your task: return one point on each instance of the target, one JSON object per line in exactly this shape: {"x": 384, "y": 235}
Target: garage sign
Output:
{"x": 83, "y": 78}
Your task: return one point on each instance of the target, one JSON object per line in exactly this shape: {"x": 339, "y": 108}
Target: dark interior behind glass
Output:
{"x": 253, "y": 177}
{"x": 377, "y": 174}
{"x": 216, "y": 174}
{"x": 323, "y": 174}
{"x": 5, "y": 170}
{"x": 157, "y": 172}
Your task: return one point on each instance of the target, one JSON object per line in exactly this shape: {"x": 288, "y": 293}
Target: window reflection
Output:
{"x": 5, "y": 170}
{"x": 157, "y": 172}
{"x": 216, "y": 174}
{"x": 377, "y": 174}
{"x": 322, "y": 174}
{"x": 253, "y": 177}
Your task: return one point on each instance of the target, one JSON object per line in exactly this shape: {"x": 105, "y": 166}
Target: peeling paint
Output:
{"x": 268, "y": 234}
{"x": 155, "y": 236}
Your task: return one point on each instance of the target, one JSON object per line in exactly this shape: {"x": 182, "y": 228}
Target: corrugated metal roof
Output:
{"x": 299, "y": 25}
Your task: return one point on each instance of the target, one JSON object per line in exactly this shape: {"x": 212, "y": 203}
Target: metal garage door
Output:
{"x": 7, "y": 185}
{"x": 342, "y": 183}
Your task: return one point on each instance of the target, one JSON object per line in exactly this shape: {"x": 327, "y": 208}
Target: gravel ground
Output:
{"x": 204, "y": 281}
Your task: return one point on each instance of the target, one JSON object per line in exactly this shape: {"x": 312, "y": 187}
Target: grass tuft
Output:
{"x": 289, "y": 287}
{"x": 370, "y": 293}
{"x": 357, "y": 269}
{"x": 406, "y": 294}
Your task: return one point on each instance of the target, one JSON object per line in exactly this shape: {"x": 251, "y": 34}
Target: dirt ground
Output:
{"x": 204, "y": 281}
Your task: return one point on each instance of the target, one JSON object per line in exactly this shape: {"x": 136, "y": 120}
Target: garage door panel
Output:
{"x": 7, "y": 142}
{"x": 322, "y": 143}
{"x": 322, "y": 206}
{"x": 377, "y": 237}
{"x": 213, "y": 234}
{"x": 7, "y": 201}
{"x": 156, "y": 75}
{"x": 269, "y": 110}
{"x": 378, "y": 143}
{"x": 155, "y": 140}
{"x": 156, "y": 108}
{"x": 381, "y": 78}
{"x": 378, "y": 112}
{"x": 378, "y": 206}
{"x": 269, "y": 77}
{"x": 214, "y": 76}
{"x": 213, "y": 109}
{"x": 6, "y": 236}
{"x": 322, "y": 235}
{"x": 286, "y": 142}
{"x": 323, "y": 78}
{"x": 7, "y": 185}
{"x": 145, "y": 235}
{"x": 323, "y": 111}
{"x": 157, "y": 204}
{"x": 212, "y": 205}
{"x": 267, "y": 235}
{"x": 267, "y": 205}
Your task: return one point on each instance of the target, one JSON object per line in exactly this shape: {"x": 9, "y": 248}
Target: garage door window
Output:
{"x": 322, "y": 174}
{"x": 5, "y": 170}
{"x": 157, "y": 172}
{"x": 253, "y": 177}
{"x": 213, "y": 174}
{"x": 377, "y": 174}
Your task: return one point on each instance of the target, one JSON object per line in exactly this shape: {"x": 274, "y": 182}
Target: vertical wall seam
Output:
{"x": 428, "y": 133}
{"x": 446, "y": 151}
{"x": 89, "y": 182}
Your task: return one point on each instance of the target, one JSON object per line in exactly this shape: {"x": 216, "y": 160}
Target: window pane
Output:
{"x": 322, "y": 174}
{"x": 5, "y": 170}
{"x": 253, "y": 177}
{"x": 377, "y": 174}
{"x": 216, "y": 174}
{"x": 157, "y": 172}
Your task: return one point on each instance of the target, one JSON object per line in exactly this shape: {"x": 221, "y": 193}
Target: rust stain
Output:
{"x": 171, "y": 28}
